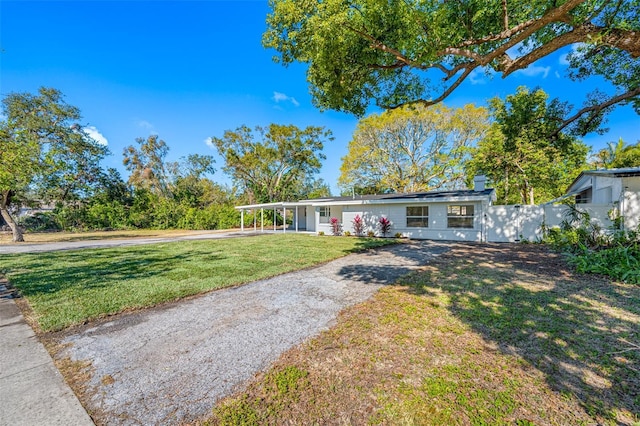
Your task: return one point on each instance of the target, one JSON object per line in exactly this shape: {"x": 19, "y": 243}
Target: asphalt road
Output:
{"x": 84, "y": 244}
{"x": 171, "y": 364}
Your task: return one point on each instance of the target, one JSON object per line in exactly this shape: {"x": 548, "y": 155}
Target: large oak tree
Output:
{"x": 273, "y": 163}
{"x": 412, "y": 149}
{"x": 398, "y": 52}
{"x": 44, "y": 149}
{"x": 521, "y": 161}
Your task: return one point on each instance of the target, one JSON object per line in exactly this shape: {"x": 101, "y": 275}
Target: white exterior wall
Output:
{"x": 630, "y": 202}
{"x": 397, "y": 214}
{"x": 310, "y": 218}
{"x": 336, "y": 211}
{"x": 606, "y": 189}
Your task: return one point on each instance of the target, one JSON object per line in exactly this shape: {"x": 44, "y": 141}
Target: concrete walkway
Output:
{"x": 32, "y": 391}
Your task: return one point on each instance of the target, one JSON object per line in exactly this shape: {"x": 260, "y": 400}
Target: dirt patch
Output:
{"x": 484, "y": 334}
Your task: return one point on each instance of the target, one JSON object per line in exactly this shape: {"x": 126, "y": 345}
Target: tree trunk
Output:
{"x": 531, "y": 196}
{"x": 4, "y": 212}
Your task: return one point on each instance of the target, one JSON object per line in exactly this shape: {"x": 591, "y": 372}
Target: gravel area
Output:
{"x": 171, "y": 364}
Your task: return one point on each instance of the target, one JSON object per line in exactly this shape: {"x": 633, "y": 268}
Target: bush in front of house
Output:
{"x": 358, "y": 225}
{"x": 385, "y": 226}
{"x": 336, "y": 228}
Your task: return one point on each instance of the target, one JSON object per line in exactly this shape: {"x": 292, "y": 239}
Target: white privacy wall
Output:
{"x": 515, "y": 223}
{"x": 630, "y": 202}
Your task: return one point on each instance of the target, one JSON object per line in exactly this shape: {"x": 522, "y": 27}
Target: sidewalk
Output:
{"x": 32, "y": 390}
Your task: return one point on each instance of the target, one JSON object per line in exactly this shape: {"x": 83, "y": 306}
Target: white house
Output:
{"x": 617, "y": 188}
{"x": 466, "y": 215}
{"x": 435, "y": 215}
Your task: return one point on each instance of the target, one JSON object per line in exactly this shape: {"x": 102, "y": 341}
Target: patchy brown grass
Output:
{"x": 486, "y": 334}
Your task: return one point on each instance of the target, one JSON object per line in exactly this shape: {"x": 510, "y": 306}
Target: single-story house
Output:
{"x": 436, "y": 215}
{"x": 465, "y": 215}
{"x": 619, "y": 188}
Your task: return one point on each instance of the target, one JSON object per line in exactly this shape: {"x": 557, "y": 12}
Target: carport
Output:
{"x": 295, "y": 207}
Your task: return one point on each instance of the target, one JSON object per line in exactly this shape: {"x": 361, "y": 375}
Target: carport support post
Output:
{"x": 274, "y": 219}
{"x": 284, "y": 220}
{"x": 255, "y": 221}
{"x": 295, "y": 217}
{"x": 261, "y": 219}
{"x": 242, "y": 220}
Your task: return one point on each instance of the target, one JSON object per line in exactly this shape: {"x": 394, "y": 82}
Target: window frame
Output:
{"x": 422, "y": 217}
{"x": 464, "y": 221}
{"x": 327, "y": 217}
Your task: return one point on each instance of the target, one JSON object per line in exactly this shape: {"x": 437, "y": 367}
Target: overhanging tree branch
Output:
{"x": 596, "y": 109}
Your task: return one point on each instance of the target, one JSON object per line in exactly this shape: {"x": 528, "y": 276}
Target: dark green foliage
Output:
{"x": 615, "y": 252}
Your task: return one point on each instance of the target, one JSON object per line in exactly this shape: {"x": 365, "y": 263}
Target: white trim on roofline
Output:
{"x": 403, "y": 201}
{"x": 273, "y": 205}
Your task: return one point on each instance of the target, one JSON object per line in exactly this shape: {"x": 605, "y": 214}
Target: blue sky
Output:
{"x": 190, "y": 70}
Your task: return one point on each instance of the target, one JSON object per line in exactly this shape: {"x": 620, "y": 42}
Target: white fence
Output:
{"x": 525, "y": 222}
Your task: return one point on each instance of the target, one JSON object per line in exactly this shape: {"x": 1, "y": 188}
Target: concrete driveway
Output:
{"x": 170, "y": 365}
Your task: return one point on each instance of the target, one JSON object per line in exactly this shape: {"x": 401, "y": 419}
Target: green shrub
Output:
{"x": 39, "y": 222}
{"x": 590, "y": 249}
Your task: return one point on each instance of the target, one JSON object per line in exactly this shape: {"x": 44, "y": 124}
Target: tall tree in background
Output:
{"x": 522, "y": 162}
{"x": 189, "y": 182}
{"x": 272, "y": 163}
{"x": 399, "y": 52}
{"x": 43, "y": 149}
{"x": 412, "y": 149}
{"x": 617, "y": 155}
{"x": 146, "y": 164}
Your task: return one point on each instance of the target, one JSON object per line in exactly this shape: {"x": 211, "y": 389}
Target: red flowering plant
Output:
{"x": 336, "y": 228}
{"x": 358, "y": 225}
{"x": 385, "y": 226}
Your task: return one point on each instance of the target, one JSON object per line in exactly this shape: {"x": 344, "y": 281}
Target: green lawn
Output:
{"x": 494, "y": 334}
{"x": 70, "y": 287}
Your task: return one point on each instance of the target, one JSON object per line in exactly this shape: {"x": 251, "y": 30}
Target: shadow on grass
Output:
{"x": 582, "y": 332}
{"x": 59, "y": 271}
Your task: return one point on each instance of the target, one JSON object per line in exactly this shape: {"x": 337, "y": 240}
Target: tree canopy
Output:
{"x": 398, "y": 52}
{"x": 43, "y": 148}
{"x": 617, "y": 155}
{"x": 273, "y": 163}
{"x": 412, "y": 149}
{"x": 519, "y": 158}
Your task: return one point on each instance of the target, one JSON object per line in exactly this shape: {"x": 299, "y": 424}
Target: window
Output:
{"x": 418, "y": 217}
{"x": 460, "y": 216}
{"x": 325, "y": 214}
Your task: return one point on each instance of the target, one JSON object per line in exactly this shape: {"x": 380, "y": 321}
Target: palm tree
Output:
{"x": 617, "y": 155}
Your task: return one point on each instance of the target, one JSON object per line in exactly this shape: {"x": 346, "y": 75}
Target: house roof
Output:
{"x": 623, "y": 172}
{"x": 412, "y": 196}
{"x": 430, "y": 196}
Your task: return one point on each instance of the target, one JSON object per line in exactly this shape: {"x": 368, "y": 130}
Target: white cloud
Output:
{"x": 557, "y": 74}
{"x": 563, "y": 59}
{"x": 477, "y": 77}
{"x": 146, "y": 125}
{"x": 209, "y": 142}
{"x": 281, "y": 97}
{"x": 95, "y": 134}
{"x": 535, "y": 71}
